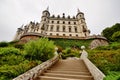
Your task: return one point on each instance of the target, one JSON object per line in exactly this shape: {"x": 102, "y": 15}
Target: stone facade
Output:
{"x": 56, "y": 27}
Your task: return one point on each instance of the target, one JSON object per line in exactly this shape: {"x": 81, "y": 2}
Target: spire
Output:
{"x": 22, "y": 26}
{"x": 78, "y": 10}
{"x": 47, "y": 8}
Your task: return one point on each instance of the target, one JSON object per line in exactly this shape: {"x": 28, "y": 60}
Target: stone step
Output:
{"x": 69, "y": 76}
{"x": 70, "y": 72}
{"x": 68, "y": 69}
{"x": 55, "y": 78}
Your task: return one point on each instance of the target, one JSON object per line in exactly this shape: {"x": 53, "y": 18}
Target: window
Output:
{"x": 84, "y": 30}
{"x": 63, "y": 34}
{"x": 75, "y": 29}
{"x": 52, "y": 21}
{"x": 57, "y": 34}
{"x": 76, "y": 35}
{"x": 51, "y": 29}
{"x": 51, "y": 34}
{"x": 45, "y": 19}
{"x": 63, "y": 28}
{"x": 82, "y": 21}
{"x": 70, "y": 34}
{"x": 63, "y": 22}
{"x": 47, "y": 27}
{"x": 74, "y": 23}
{"x": 57, "y": 22}
{"x": 42, "y": 28}
{"x": 69, "y": 28}
{"x": 37, "y": 29}
{"x": 57, "y": 28}
{"x": 68, "y": 22}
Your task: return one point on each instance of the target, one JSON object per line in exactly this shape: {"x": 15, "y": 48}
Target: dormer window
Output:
{"x": 58, "y": 16}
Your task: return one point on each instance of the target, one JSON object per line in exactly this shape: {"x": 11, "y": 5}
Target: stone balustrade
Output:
{"x": 96, "y": 73}
{"x": 38, "y": 70}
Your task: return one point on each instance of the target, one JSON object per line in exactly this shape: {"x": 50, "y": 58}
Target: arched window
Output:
{"x": 68, "y": 22}
{"x": 70, "y": 34}
{"x": 57, "y": 28}
{"x": 75, "y": 29}
{"x": 51, "y": 34}
{"x": 63, "y": 28}
{"x": 69, "y": 28}
{"x": 74, "y": 23}
{"x": 63, "y": 22}
{"x": 52, "y": 21}
{"x": 57, "y": 22}
{"x": 51, "y": 28}
{"x": 57, "y": 34}
{"x": 63, "y": 34}
{"x": 76, "y": 35}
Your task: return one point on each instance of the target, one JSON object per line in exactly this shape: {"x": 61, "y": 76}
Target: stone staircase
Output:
{"x": 69, "y": 69}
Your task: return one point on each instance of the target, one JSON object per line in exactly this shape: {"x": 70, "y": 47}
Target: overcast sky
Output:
{"x": 99, "y": 14}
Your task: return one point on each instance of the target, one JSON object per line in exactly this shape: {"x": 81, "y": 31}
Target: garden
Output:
{"x": 16, "y": 59}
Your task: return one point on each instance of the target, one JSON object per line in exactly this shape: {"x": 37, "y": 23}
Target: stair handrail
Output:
{"x": 96, "y": 73}
{"x": 38, "y": 70}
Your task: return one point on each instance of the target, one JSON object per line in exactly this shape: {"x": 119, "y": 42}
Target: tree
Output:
{"x": 109, "y": 31}
{"x": 116, "y": 36}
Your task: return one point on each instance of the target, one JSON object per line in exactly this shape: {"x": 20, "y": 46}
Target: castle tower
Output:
{"x": 44, "y": 21}
{"x": 82, "y": 24}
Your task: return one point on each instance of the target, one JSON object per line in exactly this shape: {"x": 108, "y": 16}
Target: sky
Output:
{"x": 99, "y": 14}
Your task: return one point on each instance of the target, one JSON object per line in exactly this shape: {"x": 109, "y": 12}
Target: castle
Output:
{"x": 55, "y": 27}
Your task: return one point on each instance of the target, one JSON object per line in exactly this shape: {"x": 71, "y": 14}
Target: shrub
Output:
{"x": 59, "y": 49}
{"x": 106, "y": 60}
{"x": 19, "y": 46}
{"x": 41, "y": 49}
{"x": 9, "y": 51}
{"x": 113, "y": 76}
{"x": 68, "y": 52}
{"x": 4, "y": 44}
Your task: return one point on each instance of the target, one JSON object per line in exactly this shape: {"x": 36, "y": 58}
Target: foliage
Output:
{"x": 113, "y": 76}
{"x": 41, "y": 49}
{"x": 116, "y": 36}
{"x": 64, "y": 43}
{"x": 4, "y": 44}
{"x": 106, "y": 58}
{"x": 59, "y": 49}
{"x": 111, "y": 46}
{"x": 68, "y": 52}
{"x": 109, "y": 31}
{"x": 19, "y": 46}
{"x": 15, "y": 61}
{"x": 9, "y": 51}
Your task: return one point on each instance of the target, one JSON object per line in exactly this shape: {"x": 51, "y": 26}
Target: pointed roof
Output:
{"x": 79, "y": 12}
{"x": 47, "y": 8}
